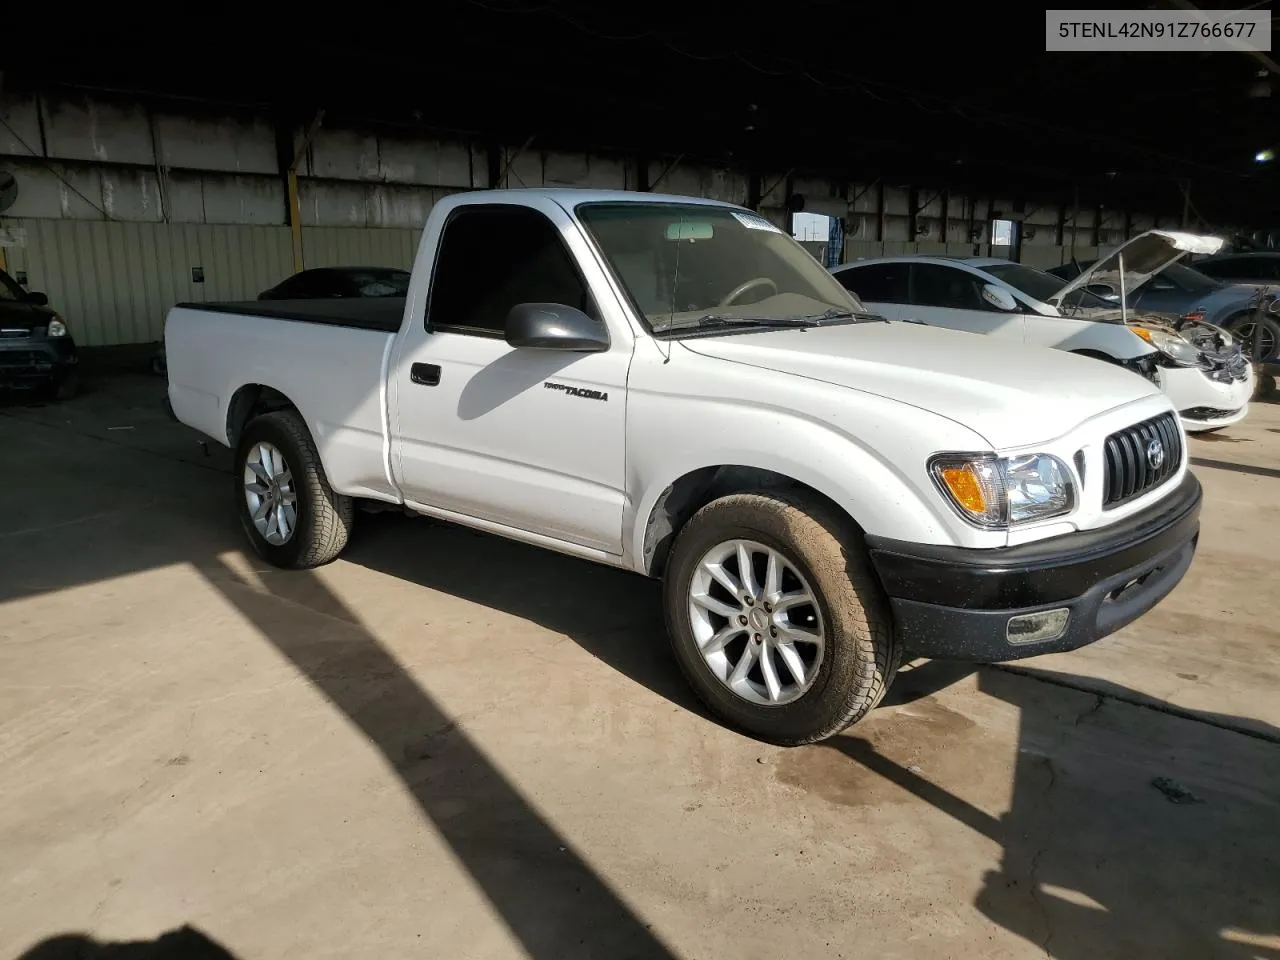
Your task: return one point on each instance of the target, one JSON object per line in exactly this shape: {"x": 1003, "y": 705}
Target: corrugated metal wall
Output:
{"x": 119, "y": 200}
{"x": 116, "y": 281}
{"x": 359, "y": 247}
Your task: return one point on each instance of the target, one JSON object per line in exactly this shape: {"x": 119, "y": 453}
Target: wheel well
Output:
{"x": 693, "y": 491}
{"x": 248, "y": 402}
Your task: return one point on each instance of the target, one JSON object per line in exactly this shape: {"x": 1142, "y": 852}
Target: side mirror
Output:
{"x": 554, "y": 326}
{"x": 39, "y": 299}
{"x": 999, "y": 297}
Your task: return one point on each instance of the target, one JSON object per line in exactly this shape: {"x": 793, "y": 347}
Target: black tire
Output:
{"x": 1241, "y": 327}
{"x": 1265, "y": 388}
{"x": 862, "y": 652}
{"x": 324, "y": 518}
{"x": 66, "y": 388}
{"x": 158, "y": 366}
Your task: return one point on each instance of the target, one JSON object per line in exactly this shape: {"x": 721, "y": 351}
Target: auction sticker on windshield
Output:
{"x": 753, "y": 222}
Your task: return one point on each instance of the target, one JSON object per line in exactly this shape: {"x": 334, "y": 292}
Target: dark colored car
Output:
{"x": 1260, "y": 267}
{"x": 325, "y": 282}
{"x": 36, "y": 349}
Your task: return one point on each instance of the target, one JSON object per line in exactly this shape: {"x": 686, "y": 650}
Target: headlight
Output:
{"x": 1001, "y": 492}
{"x": 1180, "y": 351}
{"x": 57, "y": 327}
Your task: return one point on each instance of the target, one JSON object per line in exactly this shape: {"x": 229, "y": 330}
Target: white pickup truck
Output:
{"x": 675, "y": 387}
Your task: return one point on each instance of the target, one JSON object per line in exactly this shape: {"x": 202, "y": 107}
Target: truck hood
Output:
{"x": 1144, "y": 256}
{"x": 1008, "y": 393}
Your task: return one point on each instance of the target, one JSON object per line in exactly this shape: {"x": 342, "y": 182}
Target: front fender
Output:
{"x": 879, "y": 478}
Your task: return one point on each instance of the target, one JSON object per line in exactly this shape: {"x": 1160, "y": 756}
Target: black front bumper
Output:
{"x": 35, "y": 362}
{"x": 954, "y": 603}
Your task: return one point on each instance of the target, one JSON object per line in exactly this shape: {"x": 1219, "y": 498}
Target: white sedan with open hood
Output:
{"x": 1201, "y": 367}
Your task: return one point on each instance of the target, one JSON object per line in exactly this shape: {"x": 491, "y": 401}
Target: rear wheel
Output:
{"x": 776, "y": 619}
{"x": 288, "y": 511}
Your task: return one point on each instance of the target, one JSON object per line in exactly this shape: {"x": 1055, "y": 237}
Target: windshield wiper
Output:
{"x": 718, "y": 321}
{"x": 796, "y": 320}
{"x": 835, "y": 314}
{"x": 725, "y": 320}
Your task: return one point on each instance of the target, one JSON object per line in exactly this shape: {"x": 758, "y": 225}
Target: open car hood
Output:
{"x": 1144, "y": 256}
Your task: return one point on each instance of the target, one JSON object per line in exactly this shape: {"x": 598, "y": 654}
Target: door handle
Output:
{"x": 427, "y": 374}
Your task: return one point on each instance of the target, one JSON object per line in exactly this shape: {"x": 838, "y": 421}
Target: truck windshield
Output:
{"x": 681, "y": 263}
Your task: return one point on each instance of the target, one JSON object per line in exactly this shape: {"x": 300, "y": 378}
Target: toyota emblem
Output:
{"x": 1155, "y": 454}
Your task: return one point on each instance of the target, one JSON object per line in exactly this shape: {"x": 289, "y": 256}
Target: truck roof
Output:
{"x": 571, "y": 196}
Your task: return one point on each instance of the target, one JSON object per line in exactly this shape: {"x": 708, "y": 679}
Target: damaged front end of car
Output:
{"x": 1189, "y": 342}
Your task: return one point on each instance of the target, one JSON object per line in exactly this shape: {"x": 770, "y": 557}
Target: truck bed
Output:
{"x": 334, "y": 369}
{"x": 383, "y": 314}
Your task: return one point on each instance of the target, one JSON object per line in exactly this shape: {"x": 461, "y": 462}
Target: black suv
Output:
{"x": 36, "y": 349}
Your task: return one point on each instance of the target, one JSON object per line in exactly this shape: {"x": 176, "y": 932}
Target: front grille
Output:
{"x": 1132, "y": 464}
{"x": 17, "y": 362}
{"x": 1209, "y": 413}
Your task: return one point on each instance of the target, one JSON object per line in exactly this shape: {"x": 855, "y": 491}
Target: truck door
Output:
{"x": 528, "y": 438}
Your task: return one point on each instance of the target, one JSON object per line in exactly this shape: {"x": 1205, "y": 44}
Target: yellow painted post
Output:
{"x": 295, "y": 221}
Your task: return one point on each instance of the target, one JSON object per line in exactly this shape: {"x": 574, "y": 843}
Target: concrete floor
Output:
{"x": 447, "y": 745}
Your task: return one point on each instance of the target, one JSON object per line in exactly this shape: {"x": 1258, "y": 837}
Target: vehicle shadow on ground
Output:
{"x": 614, "y": 615}
{"x": 185, "y": 943}
{"x": 1236, "y": 467}
{"x": 1103, "y": 852}
{"x": 553, "y": 903}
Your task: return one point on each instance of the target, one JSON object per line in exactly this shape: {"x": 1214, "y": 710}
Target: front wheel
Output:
{"x": 67, "y": 388}
{"x": 776, "y": 618}
{"x": 288, "y": 511}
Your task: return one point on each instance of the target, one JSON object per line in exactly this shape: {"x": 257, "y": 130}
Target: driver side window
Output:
{"x": 493, "y": 257}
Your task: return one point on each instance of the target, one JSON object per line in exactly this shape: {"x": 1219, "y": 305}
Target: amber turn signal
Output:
{"x": 965, "y": 488}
